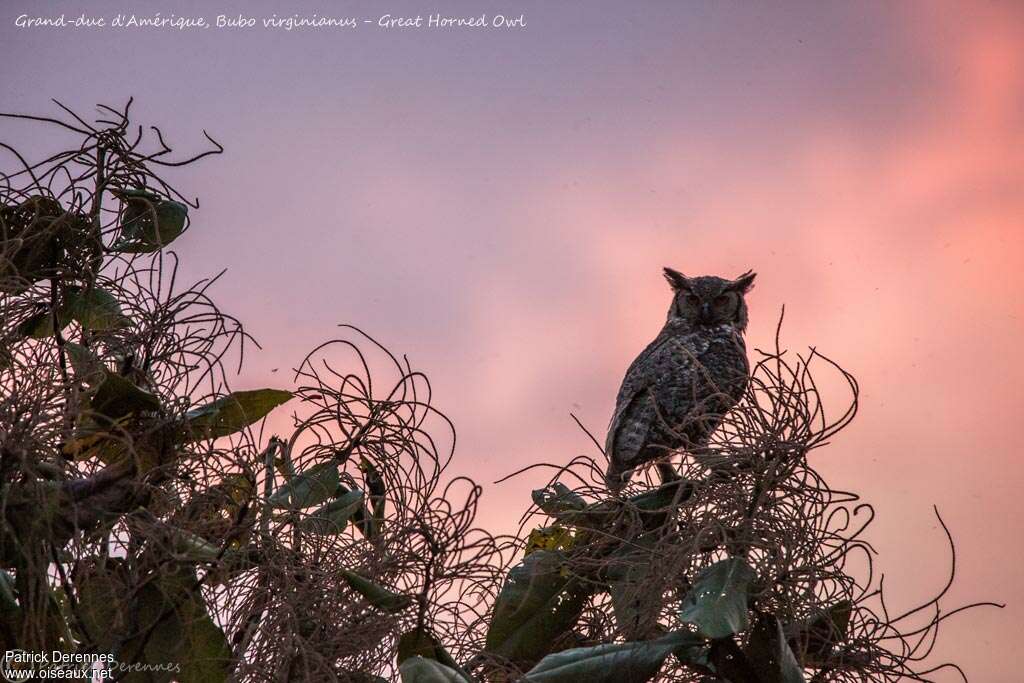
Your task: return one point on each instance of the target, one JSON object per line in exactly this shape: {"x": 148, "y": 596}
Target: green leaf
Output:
{"x": 312, "y": 487}
{"x": 376, "y": 595}
{"x": 7, "y": 599}
{"x": 207, "y": 654}
{"x": 101, "y": 591}
{"x": 111, "y": 402}
{"x": 695, "y": 655}
{"x": 95, "y": 309}
{"x": 180, "y": 631}
{"x": 88, "y": 368}
{"x": 333, "y": 517}
{"x": 655, "y": 505}
{"x": 717, "y": 602}
{"x": 555, "y": 537}
{"x": 770, "y": 655}
{"x": 814, "y": 640}
{"x": 193, "y": 547}
{"x": 10, "y": 611}
{"x": 231, "y": 413}
{"x": 149, "y": 222}
{"x": 11, "y": 615}
{"x": 30, "y": 242}
{"x": 423, "y": 643}
{"x": 420, "y": 670}
{"x": 558, "y": 499}
{"x": 116, "y": 397}
{"x": 538, "y": 604}
{"x": 40, "y": 325}
{"x": 610, "y": 663}
{"x": 635, "y": 586}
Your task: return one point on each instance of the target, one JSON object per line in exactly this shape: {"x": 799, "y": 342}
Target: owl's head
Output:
{"x": 708, "y": 300}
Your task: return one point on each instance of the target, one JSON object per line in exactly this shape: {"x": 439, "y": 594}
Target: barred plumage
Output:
{"x": 678, "y": 389}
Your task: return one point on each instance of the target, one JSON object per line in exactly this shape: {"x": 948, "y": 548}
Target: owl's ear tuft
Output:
{"x": 676, "y": 279}
{"x": 744, "y": 282}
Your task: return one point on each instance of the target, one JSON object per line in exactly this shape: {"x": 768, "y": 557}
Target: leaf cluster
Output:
{"x": 145, "y": 513}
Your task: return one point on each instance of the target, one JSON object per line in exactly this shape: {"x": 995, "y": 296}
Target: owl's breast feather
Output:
{"x": 715, "y": 362}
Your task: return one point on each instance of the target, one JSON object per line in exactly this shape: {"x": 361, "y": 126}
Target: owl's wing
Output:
{"x": 656, "y": 381}
{"x": 634, "y": 410}
{"x": 636, "y": 382}
{"x": 627, "y": 436}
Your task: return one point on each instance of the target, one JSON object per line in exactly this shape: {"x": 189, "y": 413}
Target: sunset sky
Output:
{"x": 497, "y": 204}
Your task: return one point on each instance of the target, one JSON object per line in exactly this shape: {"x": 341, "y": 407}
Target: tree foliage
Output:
{"x": 145, "y": 513}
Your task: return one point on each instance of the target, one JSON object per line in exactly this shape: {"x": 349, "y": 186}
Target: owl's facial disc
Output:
{"x": 708, "y": 300}
{"x": 687, "y": 305}
{"x": 714, "y": 307}
{"x": 724, "y": 307}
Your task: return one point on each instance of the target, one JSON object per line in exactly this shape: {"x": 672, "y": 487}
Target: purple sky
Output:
{"x": 498, "y": 204}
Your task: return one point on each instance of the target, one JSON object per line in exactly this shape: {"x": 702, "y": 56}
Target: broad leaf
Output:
{"x": 659, "y": 498}
{"x": 769, "y": 654}
{"x": 231, "y": 413}
{"x": 717, "y": 602}
{"x": 111, "y": 402}
{"x": 100, "y": 590}
{"x": 333, "y": 517}
{"x": 30, "y": 247}
{"x": 95, "y": 309}
{"x": 95, "y": 442}
{"x": 174, "y": 628}
{"x": 116, "y": 397}
{"x": 420, "y": 670}
{"x": 194, "y": 548}
{"x": 635, "y": 586}
{"x": 558, "y": 499}
{"x": 8, "y": 601}
{"x": 652, "y": 506}
{"x": 88, "y": 368}
{"x": 423, "y": 643}
{"x": 40, "y": 325}
{"x": 611, "y": 663}
{"x": 536, "y": 606}
{"x": 10, "y": 611}
{"x": 376, "y": 595}
{"x": 207, "y": 652}
{"x": 695, "y": 655}
{"x": 312, "y": 487}
{"x": 814, "y": 640}
{"x": 149, "y": 222}
{"x": 549, "y": 538}
{"x": 655, "y": 505}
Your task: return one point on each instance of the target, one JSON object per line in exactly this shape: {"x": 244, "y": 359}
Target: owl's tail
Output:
{"x": 615, "y": 478}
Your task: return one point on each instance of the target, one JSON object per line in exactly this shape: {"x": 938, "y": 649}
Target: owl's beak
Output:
{"x": 705, "y": 312}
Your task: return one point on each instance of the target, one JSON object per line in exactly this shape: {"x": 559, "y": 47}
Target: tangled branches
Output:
{"x": 753, "y": 522}
{"x": 174, "y": 536}
{"x": 149, "y": 527}
{"x": 414, "y": 534}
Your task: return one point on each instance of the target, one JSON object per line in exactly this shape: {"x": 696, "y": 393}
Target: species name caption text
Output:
{"x": 242, "y": 22}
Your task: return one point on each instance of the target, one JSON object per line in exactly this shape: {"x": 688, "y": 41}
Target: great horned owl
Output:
{"x": 676, "y": 392}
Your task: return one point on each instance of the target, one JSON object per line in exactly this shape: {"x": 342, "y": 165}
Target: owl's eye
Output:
{"x": 692, "y": 300}
{"x": 721, "y": 300}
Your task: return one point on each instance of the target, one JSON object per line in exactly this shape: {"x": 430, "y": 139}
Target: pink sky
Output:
{"x": 498, "y": 206}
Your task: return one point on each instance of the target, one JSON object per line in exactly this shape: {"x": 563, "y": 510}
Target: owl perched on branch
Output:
{"x": 676, "y": 392}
